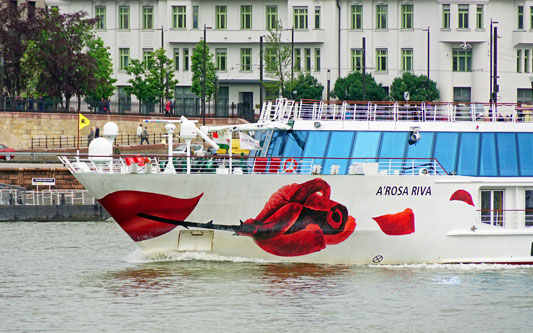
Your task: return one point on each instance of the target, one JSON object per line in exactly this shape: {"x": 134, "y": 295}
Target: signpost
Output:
{"x": 43, "y": 181}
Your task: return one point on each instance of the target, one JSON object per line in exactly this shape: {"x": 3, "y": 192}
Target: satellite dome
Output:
{"x": 101, "y": 150}
{"x": 110, "y": 129}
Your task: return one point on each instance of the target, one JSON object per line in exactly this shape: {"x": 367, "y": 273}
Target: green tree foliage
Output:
{"x": 305, "y": 86}
{"x": 104, "y": 85}
{"x": 197, "y": 68}
{"x": 350, "y": 88}
{"x": 416, "y": 86}
{"x": 150, "y": 78}
{"x": 278, "y": 59}
{"x": 17, "y": 29}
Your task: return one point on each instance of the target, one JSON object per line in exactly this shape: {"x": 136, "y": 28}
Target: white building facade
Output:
{"x": 327, "y": 41}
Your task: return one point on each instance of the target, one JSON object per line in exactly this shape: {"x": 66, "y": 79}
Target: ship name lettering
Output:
{"x": 403, "y": 190}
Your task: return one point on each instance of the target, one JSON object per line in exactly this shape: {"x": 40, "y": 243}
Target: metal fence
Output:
{"x": 71, "y": 141}
{"x": 20, "y": 196}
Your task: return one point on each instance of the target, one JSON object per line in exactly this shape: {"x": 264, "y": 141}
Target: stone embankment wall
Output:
{"x": 22, "y": 177}
{"x": 17, "y": 128}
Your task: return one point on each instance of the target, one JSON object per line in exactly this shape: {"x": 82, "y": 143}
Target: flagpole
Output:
{"x": 78, "y": 144}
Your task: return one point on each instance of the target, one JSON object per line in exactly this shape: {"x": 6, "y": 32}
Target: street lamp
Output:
{"x": 428, "y": 56}
{"x": 327, "y": 91}
{"x": 493, "y": 61}
{"x": 161, "y": 72}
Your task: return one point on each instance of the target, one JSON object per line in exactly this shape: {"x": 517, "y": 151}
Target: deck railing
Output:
{"x": 218, "y": 164}
{"x": 284, "y": 109}
{"x": 45, "y": 197}
{"x": 506, "y": 218}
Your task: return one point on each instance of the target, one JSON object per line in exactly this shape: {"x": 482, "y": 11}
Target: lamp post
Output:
{"x": 161, "y": 72}
{"x": 490, "y": 65}
{"x": 292, "y": 53}
{"x": 261, "y": 72}
{"x": 428, "y": 63}
{"x": 327, "y": 91}
{"x": 2, "y": 83}
{"x": 204, "y": 75}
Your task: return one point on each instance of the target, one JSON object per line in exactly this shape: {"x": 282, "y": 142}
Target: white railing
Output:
{"x": 283, "y": 109}
{"x": 506, "y": 218}
{"x": 46, "y": 197}
{"x": 259, "y": 165}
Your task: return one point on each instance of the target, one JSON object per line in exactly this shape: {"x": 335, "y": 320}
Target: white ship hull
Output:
{"x": 444, "y": 230}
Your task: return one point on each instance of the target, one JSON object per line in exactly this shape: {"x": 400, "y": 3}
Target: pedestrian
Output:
{"x": 30, "y": 103}
{"x": 144, "y": 136}
{"x": 40, "y": 103}
{"x": 139, "y": 131}
{"x": 97, "y": 132}
{"x": 171, "y": 107}
{"x": 167, "y": 107}
{"x": 90, "y": 137}
{"x": 107, "y": 106}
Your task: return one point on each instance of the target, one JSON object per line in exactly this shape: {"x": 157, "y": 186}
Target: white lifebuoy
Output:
{"x": 290, "y": 165}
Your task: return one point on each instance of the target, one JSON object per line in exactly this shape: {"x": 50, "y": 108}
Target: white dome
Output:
{"x": 110, "y": 129}
{"x": 100, "y": 150}
{"x": 187, "y": 129}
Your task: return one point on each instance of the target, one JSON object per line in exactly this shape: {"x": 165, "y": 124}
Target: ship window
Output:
{"x": 487, "y": 163}
{"x": 529, "y": 208}
{"x": 391, "y": 144}
{"x": 525, "y": 150}
{"x": 340, "y": 145}
{"x": 315, "y": 145}
{"x": 446, "y": 150}
{"x": 295, "y": 143}
{"x": 468, "y": 154}
{"x": 492, "y": 207}
{"x": 422, "y": 148}
{"x": 276, "y": 144}
{"x": 507, "y": 154}
{"x": 366, "y": 145}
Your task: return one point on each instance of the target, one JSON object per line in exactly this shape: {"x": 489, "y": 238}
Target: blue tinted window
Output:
{"x": 487, "y": 163}
{"x": 276, "y": 145}
{"x": 421, "y": 149}
{"x": 315, "y": 145}
{"x": 393, "y": 144}
{"x": 525, "y": 149}
{"x": 468, "y": 152}
{"x": 295, "y": 143}
{"x": 507, "y": 157}
{"x": 446, "y": 150}
{"x": 366, "y": 144}
{"x": 340, "y": 145}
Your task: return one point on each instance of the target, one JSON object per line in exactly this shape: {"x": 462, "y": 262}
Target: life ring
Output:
{"x": 290, "y": 165}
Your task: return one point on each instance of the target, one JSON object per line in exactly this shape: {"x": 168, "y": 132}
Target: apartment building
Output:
{"x": 453, "y": 37}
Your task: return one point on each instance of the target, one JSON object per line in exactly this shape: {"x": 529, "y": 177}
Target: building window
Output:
{"x": 526, "y": 61}
{"x": 297, "y": 59}
{"x": 357, "y": 60}
{"x": 195, "y": 17}
{"x": 531, "y": 17}
{"x": 446, "y": 16}
{"x": 246, "y": 60}
{"x": 300, "y": 18}
{"x": 407, "y": 60}
{"x": 519, "y": 61}
{"x": 381, "y": 60}
{"x": 407, "y": 16}
{"x": 146, "y": 57}
{"x": 124, "y": 17}
{"x": 185, "y": 59}
{"x": 271, "y": 55}
{"x": 462, "y": 60}
{"x": 307, "y": 53}
{"x": 479, "y": 17}
{"x": 179, "y": 15}
{"x": 222, "y": 60}
{"x": 317, "y": 17}
{"x": 492, "y": 207}
{"x": 463, "y": 17}
{"x": 381, "y": 16}
{"x": 124, "y": 58}
{"x": 100, "y": 17}
{"x": 317, "y": 60}
{"x": 357, "y": 17}
{"x": 148, "y": 17}
{"x": 529, "y": 208}
{"x": 176, "y": 59}
{"x": 520, "y": 18}
{"x": 221, "y": 15}
{"x": 246, "y": 17}
{"x": 272, "y": 17}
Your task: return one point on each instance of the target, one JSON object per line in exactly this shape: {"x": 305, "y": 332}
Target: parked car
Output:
{"x": 196, "y": 149}
{"x": 4, "y": 149}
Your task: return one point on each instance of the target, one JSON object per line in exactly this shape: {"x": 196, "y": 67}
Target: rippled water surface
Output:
{"x": 88, "y": 276}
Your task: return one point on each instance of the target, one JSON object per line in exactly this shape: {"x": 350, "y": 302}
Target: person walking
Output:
{"x": 144, "y": 136}
{"x": 139, "y": 131}
{"x": 90, "y": 137}
{"x": 97, "y": 132}
{"x": 167, "y": 107}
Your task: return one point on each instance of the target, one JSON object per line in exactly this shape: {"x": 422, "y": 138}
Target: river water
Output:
{"x": 89, "y": 276}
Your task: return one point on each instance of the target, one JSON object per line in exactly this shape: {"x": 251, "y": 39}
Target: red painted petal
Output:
{"x": 279, "y": 222}
{"x": 125, "y": 205}
{"x": 462, "y": 195}
{"x": 306, "y": 241}
{"x": 341, "y": 236}
{"x": 401, "y": 223}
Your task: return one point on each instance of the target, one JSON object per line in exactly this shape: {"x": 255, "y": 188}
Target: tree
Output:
{"x": 104, "y": 86}
{"x": 17, "y": 28}
{"x": 278, "y": 59}
{"x": 416, "y": 86}
{"x": 151, "y": 77}
{"x": 305, "y": 86}
{"x": 351, "y": 88}
{"x": 197, "y": 68}
{"x": 60, "y": 55}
